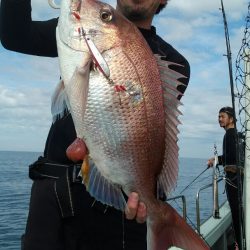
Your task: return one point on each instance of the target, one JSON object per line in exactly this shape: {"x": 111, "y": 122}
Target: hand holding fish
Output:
{"x": 135, "y": 209}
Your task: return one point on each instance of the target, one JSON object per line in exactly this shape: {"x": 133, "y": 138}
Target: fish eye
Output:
{"x": 106, "y": 15}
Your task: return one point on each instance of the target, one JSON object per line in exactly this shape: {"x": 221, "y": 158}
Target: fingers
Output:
{"x": 141, "y": 213}
{"x": 210, "y": 162}
{"x": 135, "y": 209}
{"x": 132, "y": 205}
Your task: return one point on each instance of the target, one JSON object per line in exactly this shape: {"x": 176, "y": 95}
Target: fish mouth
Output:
{"x": 72, "y": 32}
{"x": 76, "y": 37}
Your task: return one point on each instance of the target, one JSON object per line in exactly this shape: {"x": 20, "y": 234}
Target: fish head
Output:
{"x": 95, "y": 20}
{"x": 90, "y": 20}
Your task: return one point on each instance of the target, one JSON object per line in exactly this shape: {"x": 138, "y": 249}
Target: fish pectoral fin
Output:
{"x": 78, "y": 85}
{"x": 77, "y": 94}
{"x": 100, "y": 188}
{"x": 168, "y": 228}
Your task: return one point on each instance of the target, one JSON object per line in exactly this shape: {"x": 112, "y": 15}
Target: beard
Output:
{"x": 135, "y": 11}
{"x": 134, "y": 15}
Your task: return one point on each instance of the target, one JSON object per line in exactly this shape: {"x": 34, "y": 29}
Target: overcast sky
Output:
{"x": 193, "y": 27}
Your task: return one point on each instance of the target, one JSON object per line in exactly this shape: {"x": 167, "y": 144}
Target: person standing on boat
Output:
{"x": 228, "y": 160}
{"x": 70, "y": 219}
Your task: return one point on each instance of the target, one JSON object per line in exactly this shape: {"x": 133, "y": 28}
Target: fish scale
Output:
{"x": 126, "y": 113}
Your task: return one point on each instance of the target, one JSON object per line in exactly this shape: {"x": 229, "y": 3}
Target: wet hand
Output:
{"x": 135, "y": 209}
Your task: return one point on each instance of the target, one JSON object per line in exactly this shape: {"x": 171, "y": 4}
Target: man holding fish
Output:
{"x": 115, "y": 110}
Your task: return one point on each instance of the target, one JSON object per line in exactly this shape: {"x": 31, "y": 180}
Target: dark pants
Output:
{"x": 233, "y": 199}
{"x": 92, "y": 228}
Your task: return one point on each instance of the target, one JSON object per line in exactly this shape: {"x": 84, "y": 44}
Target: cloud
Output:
{"x": 194, "y": 27}
{"x": 26, "y": 86}
{"x": 25, "y": 115}
{"x": 234, "y": 9}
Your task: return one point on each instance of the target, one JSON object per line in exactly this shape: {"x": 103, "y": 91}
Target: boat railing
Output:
{"x": 214, "y": 185}
{"x": 184, "y": 205}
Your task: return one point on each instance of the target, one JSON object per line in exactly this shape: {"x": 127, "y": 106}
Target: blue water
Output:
{"x": 15, "y": 191}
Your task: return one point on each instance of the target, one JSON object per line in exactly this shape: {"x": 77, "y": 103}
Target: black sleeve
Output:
{"x": 19, "y": 33}
{"x": 229, "y": 148}
{"x": 184, "y": 69}
{"x": 182, "y": 65}
{"x": 220, "y": 160}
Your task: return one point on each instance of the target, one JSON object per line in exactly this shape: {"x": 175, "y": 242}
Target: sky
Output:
{"x": 194, "y": 27}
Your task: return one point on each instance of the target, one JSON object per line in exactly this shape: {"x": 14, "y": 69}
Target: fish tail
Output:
{"x": 168, "y": 228}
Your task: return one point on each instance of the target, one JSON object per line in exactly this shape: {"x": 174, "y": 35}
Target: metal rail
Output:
{"x": 184, "y": 204}
{"x": 215, "y": 212}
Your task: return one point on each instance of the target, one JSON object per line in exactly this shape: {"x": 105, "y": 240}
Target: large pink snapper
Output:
{"x": 126, "y": 113}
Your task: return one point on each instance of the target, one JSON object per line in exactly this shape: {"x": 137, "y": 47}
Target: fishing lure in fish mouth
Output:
{"x": 99, "y": 61}
{"x": 133, "y": 91}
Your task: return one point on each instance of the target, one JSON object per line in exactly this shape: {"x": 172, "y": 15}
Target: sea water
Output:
{"x": 15, "y": 193}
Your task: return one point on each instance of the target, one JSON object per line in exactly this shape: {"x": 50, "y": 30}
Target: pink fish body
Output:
{"x": 125, "y": 109}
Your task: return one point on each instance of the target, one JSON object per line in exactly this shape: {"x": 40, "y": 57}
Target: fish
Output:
{"x": 124, "y": 105}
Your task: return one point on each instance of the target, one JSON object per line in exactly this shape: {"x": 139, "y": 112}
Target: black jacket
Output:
{"x": 229, "y": 148}
{"x": 19, "y": 33}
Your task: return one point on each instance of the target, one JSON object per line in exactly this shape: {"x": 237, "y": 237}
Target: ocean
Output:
{"x": 15, "y": 193}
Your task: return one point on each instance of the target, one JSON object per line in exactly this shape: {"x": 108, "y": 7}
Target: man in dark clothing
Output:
{"x": 76, "y": 221}
{"x": 228, "y": 160}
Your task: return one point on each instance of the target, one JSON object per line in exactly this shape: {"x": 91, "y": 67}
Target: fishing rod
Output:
{"x": 191, "y": 222}
{"x": 229, "y": 59}
{"x": 230, "y": 70}
{"x": 215, "y": 165}
{"x": 194, "y": 179}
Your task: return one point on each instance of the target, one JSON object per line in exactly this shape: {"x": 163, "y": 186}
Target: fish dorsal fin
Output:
{"x": 170, "y": 81}
{"x": 104, "y": 191}
{"x": 59, "y": 102}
